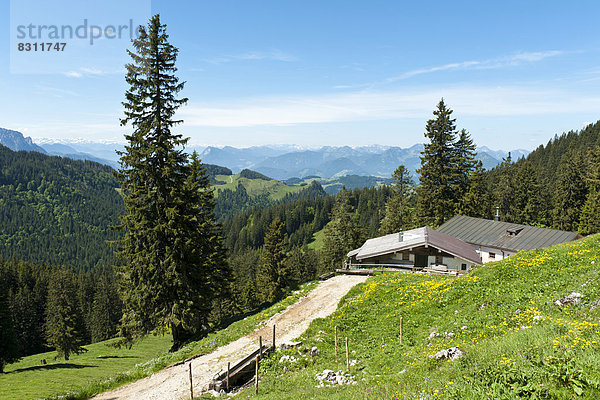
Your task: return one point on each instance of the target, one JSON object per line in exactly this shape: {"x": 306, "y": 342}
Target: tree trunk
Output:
{"x": 177, "y": 332}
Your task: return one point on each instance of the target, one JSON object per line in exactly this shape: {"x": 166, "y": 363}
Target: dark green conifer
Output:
{"x": 106, "y": 308}
{"x": 528, "y": 200}
{"x": 398, "y": 210}
{"x": 9, "y": 349}
{"x": 271, "y": 277}
{"x": 464, "y": 162}
{"x": 590, "y": 220}
{"x": 504, "y": 191}
{"x": 476, "y": 200}
{"x": 63, "y": 321}
{"x": 437, "y": 198}
{"x": 570, "y": 192}
{"x": 301, "y": 265}
{"x": 174, "y": 261}
{"x": 342, "y": 234}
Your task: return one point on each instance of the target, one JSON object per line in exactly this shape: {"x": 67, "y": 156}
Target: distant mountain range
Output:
{"x": 333, "y": 162}
{"x": 17, "y": 142}
{"x": 277, "y": 161}
{"x": 77, "y": 151}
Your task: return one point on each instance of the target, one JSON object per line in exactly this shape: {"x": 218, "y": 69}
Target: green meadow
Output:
{"x": 104, "y": 367}
{"x": 274, "y": 189}
{"x": 28, "y": 379}
{"x": 516, "y": 342}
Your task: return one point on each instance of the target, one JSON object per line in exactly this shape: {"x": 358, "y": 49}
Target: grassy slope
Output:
{"x": 317, "y": 243}
{"x": 28, "y": 379}
{"x": 86, "y": 375}
{"x": 328, "y": 182}
{"x": 520, "y": 345}
{"x": 276, "y": 189}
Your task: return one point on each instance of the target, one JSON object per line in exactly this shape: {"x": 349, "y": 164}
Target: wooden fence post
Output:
{"x": 347, "y": 357}
{"x": 228, "y": 369}
{"x": 273, "y": 337}
{"x": 256, "y": 377}
{"x": 191, "y": 383}
{"x": 260, "y": 346}
{"x": 335, "y": 336}
{"x": 401, "y": 323}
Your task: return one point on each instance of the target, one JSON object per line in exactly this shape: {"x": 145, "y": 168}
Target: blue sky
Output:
{"x": 332, "y": 72}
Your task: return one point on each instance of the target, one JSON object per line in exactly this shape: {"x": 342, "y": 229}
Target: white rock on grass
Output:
{"x": 288, "y": 358}
{"x": 289, "y": 345}
{"x": 314, "y": 352}
{"x": 573, "y": 298}
{"x": 328, "y": 378}
{"x": 451, "y": 353}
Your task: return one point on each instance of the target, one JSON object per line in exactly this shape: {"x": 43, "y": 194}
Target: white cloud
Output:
{"x": 383, "y": 105}
{"x": 90, "y": 71}
{"x": 492, "y": 63}
{"x": 273, "y": 55}
{"x": 73, "y": 74}
{"x": 56, "y": 92}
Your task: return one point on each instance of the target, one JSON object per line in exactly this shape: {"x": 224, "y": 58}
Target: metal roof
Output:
{"x": 400, "y": 241}
{"x": 485, "y": 232}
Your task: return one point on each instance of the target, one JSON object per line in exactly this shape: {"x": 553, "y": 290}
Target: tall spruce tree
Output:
{"x": 63, "y": 319}
{"x": 342, "y": 234}
{"x": 270, "y": 276}
{"x": 476, "y": 200}
{"x": 437, "y": 197}
{"x": 9, "y": 349}
{"x": 174, "y": 262}
{"x": 504, "y": 191}
{"x": 106, "y": 308}
{"x": 398, "y": 210}
{"x": 570, "y": 192}
{"x": 590, "y": 220}
{"x": 464, "y": 162}
{"x": 527, "y": 197}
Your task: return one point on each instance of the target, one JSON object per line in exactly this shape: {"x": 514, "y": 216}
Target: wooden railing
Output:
{"x": 405, "y": 267}
{"x": 408, "y": 267}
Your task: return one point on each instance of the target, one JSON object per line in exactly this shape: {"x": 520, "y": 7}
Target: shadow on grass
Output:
{"x": 105, "y": 357}
{"x": 53, "y": 366}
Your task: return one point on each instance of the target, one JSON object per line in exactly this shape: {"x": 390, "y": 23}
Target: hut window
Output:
{"x": 405, "y": 256}
{"x": 438, "y": 259}
{"x": 463, "y": 267}
{"x": 492, "y": 255}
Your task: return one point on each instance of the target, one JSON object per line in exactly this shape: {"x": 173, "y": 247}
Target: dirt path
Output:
{"x": 173, "y": 383}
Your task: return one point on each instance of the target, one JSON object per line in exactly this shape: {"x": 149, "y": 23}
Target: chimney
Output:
{"x": 400, "y": 236}
{"x": 497, "y": 216}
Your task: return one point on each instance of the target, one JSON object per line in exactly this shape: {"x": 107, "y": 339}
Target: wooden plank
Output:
{"x": 326, "y": 276}
{"x": 354, "y": 271}
{"x": 239, "y": 369}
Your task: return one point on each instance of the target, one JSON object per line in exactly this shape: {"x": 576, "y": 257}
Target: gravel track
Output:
{"x": 172, "y": 383}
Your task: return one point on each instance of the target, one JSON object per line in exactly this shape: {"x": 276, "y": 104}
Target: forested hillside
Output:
{"x": 56, "y": 210}
{"x": 557, "y": 185}
{"x": 59, "y": 211}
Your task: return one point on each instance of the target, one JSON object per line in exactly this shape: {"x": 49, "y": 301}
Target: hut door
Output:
{"x": 420, "y": 261}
